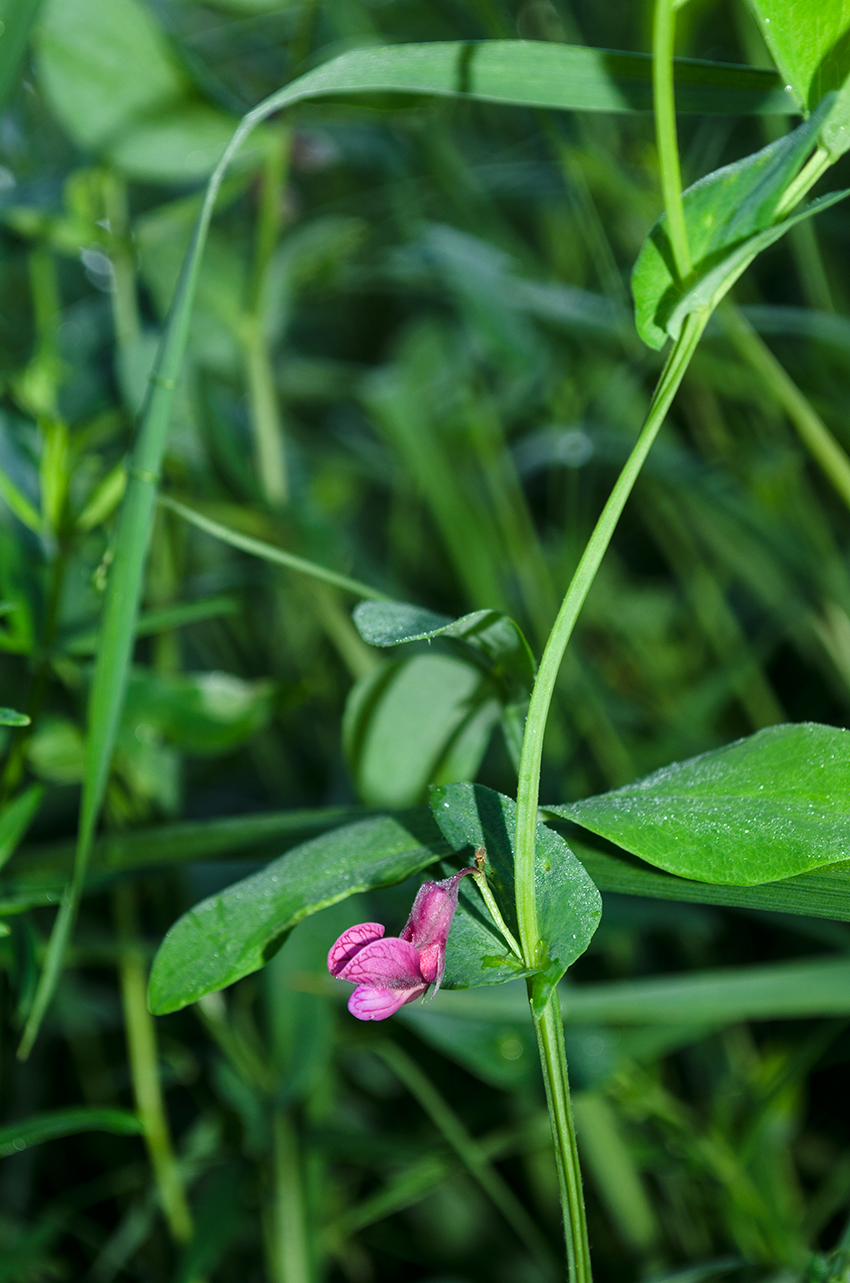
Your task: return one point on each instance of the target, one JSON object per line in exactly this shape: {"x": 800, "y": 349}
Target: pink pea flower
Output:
{"x": 392, "y": 970}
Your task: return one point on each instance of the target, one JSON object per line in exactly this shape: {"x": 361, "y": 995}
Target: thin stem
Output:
{"x": 816, "y": 165}
{"x": 268, "y": 551}
{"x": 664, "y": 103}
{"x": 549, "y": 1028}
{"x": 810, "y": 427}
{"x": 541, "y": 697}
{"x": 266, "y": 418}
{"x": 144, "y": 1070}
{"x": 468, "y": 1151}
{"x": 291, "y": 1253}
{"x": 480, "y": 879}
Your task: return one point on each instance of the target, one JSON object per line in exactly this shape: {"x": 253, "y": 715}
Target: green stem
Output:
{"x": 290, "y": 1247}
{"x": 549, "y": 1028}
{"x": 664, "y": 103}
{"x": 547, "y": 1022}
{"x": 816, "y": 165}
{"x": 144, "y": 1070}
{"x": 541, "y": 697}
{"x": 262, "y": 394}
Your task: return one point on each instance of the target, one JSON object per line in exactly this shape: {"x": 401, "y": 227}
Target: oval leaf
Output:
{"x": 426, "y": 719}
{"x": 568, "y": 904}
{"x": 767, "y": 807}
{"x": 723, "y": 212}
{"x": 491, "y": 638}
{"x": 235, "y": 932}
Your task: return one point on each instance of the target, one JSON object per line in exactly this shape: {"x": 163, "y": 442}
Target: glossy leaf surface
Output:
{"x": 568, "y": 904}
{"x": 810, "y": 42}
{"x": 235, "y": 932}
{"x": 767, "y": 807}
{"x": 730, "y": 217}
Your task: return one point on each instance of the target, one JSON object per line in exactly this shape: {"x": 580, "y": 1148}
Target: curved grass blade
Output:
{"x": 527, "y": 73}
{"x": 65, "y": 1122}
{"x": 268, "y": 552}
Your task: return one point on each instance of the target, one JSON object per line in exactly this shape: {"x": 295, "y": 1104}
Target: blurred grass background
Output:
{"x": 413, "y": 361}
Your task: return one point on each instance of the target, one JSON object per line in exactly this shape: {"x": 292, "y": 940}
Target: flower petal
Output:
{"x": 385, "y": 964}
{"x": 370, "y": 1003}
{"x": 350, "y": 943}
{"x": 430, "y": 921}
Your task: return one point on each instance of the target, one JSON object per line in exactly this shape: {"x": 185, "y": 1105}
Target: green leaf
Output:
{"x": 17, "y": 17}
{"x": 729, "y": 216}
{"x": 501, "y": 1050}
{"x": 235, "y": 932}
{"x": 65, "y": 1122}
{"x": 491, "y": 637}
{"x": 810, "y": 43}
{"x": 568, "y": 904}
{"x": 19, "y": 504}
{"x": 104, "y": 67}
{"x": 180, "y": 147}
{"x": 16, "y": 818}
{"x": 781, "y": 990}
{"x": 426, "y": 719}
{"x": 535, "y": 74}
{"x": 201, "y": 713}
{"x": 11, "y": 717}
{"x": 817, "y": 895}
{"x": 764, "y": 808}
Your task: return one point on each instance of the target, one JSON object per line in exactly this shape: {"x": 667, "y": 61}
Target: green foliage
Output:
{"x": 235, "y": 932}
{"x": 767, "y": 807}
{"x": 730, "y": 217}
{"x": 41, "y": 1127}
{"x": 568, "y": 904}
{"x": 415, "y": 722}
{"x": 810, "y": 43}
{"x": 11, "y": 717}
{"x": 430, "y": 297}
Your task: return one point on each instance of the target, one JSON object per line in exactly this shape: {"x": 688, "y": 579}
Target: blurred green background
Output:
{"x": 412, "y": 360}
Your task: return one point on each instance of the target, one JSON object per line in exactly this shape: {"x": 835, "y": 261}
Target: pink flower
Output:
{"x": 392, "y": 970}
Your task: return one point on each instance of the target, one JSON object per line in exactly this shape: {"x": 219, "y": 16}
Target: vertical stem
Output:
{"x": 262, "y": 394}
{"x": 664, "y": 103}
{"x": 144, "y": 1070}
{"x": 549, "y": 1028}
{"x": 547, "y": 1022}
{"x": 544, "y": 686}
{"x": 291, "y": 1250}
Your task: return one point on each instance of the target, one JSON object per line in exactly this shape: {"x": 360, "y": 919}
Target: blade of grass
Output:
{"x": 268, "y": 552}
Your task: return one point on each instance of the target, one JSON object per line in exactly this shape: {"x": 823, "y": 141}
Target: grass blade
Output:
{"x": 269, "y": 552}
{"x": 65, "y": 1122}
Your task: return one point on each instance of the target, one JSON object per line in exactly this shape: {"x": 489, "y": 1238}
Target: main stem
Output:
{"x": 547, "y": 1021}
{"x": 663, "y": 100}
